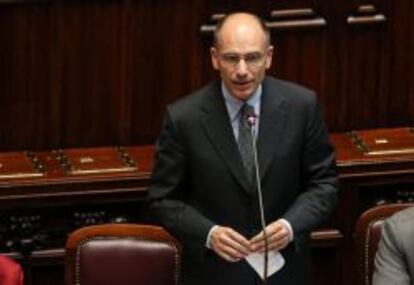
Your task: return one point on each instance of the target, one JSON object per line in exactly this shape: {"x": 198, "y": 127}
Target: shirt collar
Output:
{"x": 234, "y": 105}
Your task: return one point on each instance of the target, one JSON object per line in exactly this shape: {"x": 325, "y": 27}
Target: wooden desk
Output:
{"x": 44, "y": 195}
{"x": 375, "y": 167}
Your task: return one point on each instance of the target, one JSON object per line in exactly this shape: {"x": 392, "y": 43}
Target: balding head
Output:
{"x": 240, "y": 22}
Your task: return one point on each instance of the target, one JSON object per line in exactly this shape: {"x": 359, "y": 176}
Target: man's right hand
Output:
{"x": 229, "y": 244}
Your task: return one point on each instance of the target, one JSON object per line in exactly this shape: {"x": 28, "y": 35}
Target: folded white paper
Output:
{"x": 275, "y": 262}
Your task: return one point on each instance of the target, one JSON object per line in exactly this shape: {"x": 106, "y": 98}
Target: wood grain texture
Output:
{"x": 78, "y": 74}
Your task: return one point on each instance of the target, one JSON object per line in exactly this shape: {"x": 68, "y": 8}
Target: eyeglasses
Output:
{"x": 254, "y": 59}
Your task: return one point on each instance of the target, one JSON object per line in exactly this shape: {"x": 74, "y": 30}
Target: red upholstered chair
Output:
{"x": 367, "y": 236}
{"x": 122, "y": 254}
{"x": 11, "y": 272}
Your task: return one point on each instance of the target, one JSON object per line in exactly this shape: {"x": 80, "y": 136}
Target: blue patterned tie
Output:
{"x": 245, "y": 141}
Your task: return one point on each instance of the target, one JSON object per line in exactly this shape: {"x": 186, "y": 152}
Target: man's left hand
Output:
{"x": 277, "y": 236}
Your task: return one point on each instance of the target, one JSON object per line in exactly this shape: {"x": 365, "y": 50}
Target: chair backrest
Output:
{"x": 367, "y": 236}
{"x": 122, "y": 254}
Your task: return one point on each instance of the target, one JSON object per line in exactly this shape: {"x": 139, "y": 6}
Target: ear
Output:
{"x": 214, "y": 58}
{"x": 269, "y": 57}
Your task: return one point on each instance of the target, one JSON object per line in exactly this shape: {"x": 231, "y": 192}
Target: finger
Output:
{"x": 258, "y": 240}
{"x": 239, "y": 242}
{"x": 231, "y": 252}
{"x": 275, "y": 239}
{"x": 260, "y": 246}
{"x": 229, "y": 241}
{"x": 275, "y": 245}
{"x": 227, "y": 257}
{"x": 270, "y": 230}
{"x": 279, "y": 245}
{"x": 233, "y": 247}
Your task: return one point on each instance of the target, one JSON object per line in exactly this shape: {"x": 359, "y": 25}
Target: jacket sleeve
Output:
{"x": 390, "y": 265}
{"x": 318, "y": 176}
{"x": 169, "y": 187}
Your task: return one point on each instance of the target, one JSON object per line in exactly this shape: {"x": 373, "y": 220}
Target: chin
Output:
{"x": 243, "y": 95}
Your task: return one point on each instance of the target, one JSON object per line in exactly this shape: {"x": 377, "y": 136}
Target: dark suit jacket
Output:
{"x": 394, "y": 261}
{"x": 199, "y": 180}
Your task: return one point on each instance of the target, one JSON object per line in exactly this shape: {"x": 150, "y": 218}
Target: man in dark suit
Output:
{"x": 394, "y": 260}
{"x": 203, "y": 187}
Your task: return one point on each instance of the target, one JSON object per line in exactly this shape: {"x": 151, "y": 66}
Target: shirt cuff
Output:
{"x": 208, "y": 241}
{"x": 289, "y": 227}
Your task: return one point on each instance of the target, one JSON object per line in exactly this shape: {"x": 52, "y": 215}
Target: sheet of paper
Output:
{"x": 275, "y": 262}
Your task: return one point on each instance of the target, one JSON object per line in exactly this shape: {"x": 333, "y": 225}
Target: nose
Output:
{"x": 241, "y": 70}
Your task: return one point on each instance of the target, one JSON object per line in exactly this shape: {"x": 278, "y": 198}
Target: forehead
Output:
{"x": 242, "y": 37}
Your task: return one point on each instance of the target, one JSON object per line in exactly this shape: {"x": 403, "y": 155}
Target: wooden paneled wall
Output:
{"x": 92, "y": 73}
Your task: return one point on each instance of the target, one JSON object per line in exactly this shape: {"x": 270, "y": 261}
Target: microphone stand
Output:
{"x": 251, "y": 120}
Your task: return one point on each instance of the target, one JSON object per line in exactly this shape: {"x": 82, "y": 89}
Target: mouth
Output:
{"x": 242, "y": 84}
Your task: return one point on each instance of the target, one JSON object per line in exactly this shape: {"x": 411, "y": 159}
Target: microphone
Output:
{"x": 251, "y": 119}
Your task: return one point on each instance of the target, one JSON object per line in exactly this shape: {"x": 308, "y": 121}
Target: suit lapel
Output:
{"x": 216, "y": 123}
{"x": 273, "y": 114}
